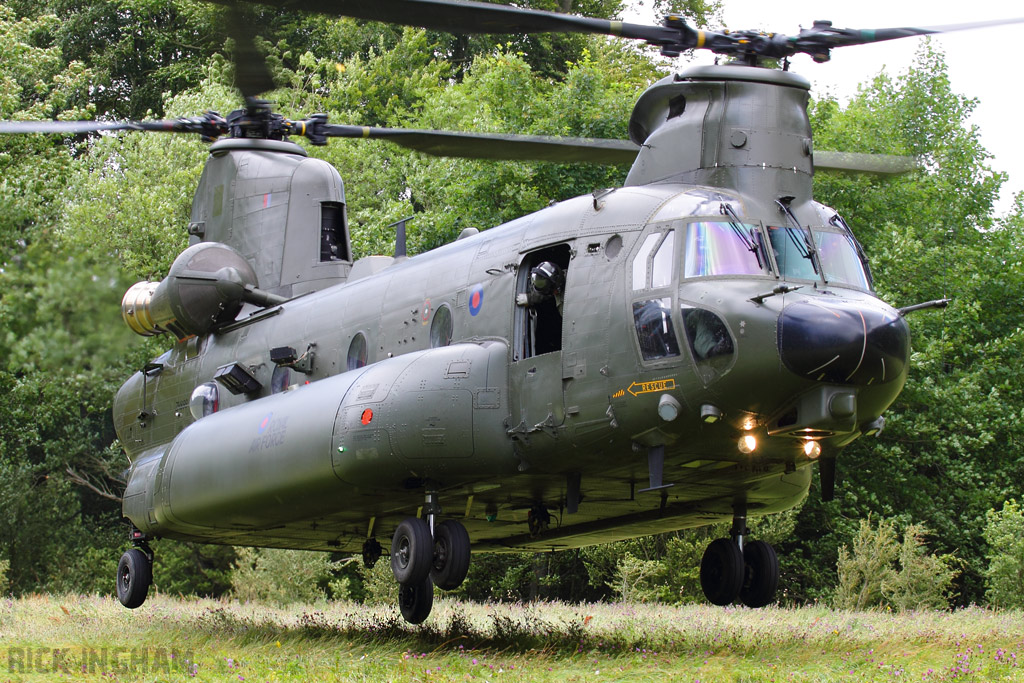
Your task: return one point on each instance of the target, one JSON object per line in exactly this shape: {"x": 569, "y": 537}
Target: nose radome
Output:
{"x": 843, "y": 342}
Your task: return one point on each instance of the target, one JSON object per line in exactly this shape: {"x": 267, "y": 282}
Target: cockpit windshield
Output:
{"x": 834, "y": 252}
{"x": 793, "y": 253}
{"x": 724, "y": 248}
{"x": 839, "y": 258}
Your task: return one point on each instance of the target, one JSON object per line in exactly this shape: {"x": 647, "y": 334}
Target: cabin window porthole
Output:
{"x": 441, "y": 327}
{"x": 205, "y": 400}
{"x": 357, "y": 352}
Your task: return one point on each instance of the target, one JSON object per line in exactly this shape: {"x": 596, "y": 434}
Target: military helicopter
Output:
{"x": 676, "y": 352}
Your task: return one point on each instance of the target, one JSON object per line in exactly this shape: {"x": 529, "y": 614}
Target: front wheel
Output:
{"x": 721, "y": 571}
{"x": 761, "y": 574}
{"x": 134, "y": 574}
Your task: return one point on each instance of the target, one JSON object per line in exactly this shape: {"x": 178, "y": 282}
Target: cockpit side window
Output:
{"x": 654, "y": 268}
{"x": 654, "y": 262}
{"x": 664, "y": 258}
{"x": 654, "y": 330}
{"x": 643, "y": 254}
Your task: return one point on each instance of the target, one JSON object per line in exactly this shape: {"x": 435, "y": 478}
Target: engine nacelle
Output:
{"x": 206, "y": 285}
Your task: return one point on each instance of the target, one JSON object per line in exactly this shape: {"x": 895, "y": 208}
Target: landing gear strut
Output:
{"x": 424, "y": 555}
{"x": 732, "y": 568}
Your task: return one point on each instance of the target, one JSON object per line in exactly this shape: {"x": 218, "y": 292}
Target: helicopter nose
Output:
{"x": 844, "y": 342}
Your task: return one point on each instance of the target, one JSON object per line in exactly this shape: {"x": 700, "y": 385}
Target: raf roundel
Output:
{"x": 264, "y": 423}
{"x": 476, "y": 299}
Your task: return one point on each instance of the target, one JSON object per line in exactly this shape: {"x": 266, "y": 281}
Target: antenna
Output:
{"x": 399, "y": 227}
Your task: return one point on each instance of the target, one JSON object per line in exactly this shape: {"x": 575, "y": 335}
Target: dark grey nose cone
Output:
{"x": 844, "y": 342}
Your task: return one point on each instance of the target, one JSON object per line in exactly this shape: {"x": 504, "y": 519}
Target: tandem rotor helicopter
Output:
{"x": 672, "y": 353}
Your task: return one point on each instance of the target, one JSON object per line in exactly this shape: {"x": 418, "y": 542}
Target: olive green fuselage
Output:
{"x": 716, "y": 335}
{"x": 340, "y": 455}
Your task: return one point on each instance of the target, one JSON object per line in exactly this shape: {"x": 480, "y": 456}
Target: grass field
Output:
{"x": 88, "y": 638}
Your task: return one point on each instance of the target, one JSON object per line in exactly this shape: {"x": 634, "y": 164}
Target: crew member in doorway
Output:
{"x": 547, "y": 281}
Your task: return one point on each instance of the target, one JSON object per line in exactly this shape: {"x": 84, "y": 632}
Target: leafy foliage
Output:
{"x": 198, "y": 569}
{"x": 1004, "y": 533}
{"x": 276, "y": 576}
{"x": 882, "y": 571}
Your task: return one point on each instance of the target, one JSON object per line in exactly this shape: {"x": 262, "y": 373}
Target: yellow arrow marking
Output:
{"x": 637, "y": 388}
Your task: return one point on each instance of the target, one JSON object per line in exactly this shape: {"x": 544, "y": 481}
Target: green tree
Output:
{"x": 279, "y": 576}
{"x": 1004, "y": 534}
{"x": 880, "y": 570}
{"x": 183, "y": 568}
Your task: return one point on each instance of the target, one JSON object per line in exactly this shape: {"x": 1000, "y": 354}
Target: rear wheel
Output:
{"x": 415, "y": 601}
{"x": 451, "y": 555}
{"x": 412, "y": 551}
{"x": 134, "y": 575}
{"x": 721, "y": 571}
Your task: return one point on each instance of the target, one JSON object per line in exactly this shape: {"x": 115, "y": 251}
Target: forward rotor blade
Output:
{"x": 573, "y": 150}
{"x": 65, "y": 127}
{"x": 881, "y": 164}
{"x": 210, "y": 125}
{"x": 464, "y": 16}
{"x": 496, "y": 146}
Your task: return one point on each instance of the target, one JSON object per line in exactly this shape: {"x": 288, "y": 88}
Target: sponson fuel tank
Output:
{"x": 435, "y": 415}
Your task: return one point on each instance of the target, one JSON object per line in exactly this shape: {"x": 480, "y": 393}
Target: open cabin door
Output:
{"x": 536, "y": 377}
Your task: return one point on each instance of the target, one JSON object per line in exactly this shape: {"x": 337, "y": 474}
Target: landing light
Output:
{"x": 668, "y": 408}
{"x": 875, "y": 427}
{"x": 710, "y": 414}
{"x": 812, "y": 449}
{"x": 747, "y": 443}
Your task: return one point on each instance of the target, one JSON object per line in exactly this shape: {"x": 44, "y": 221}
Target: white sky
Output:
{"x": 983, "y": 64}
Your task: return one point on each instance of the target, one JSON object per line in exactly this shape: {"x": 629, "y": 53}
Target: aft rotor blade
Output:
{"x": 252, "y": 75}
{"x": 673, "y": 37}
{"x": 496, "y": 146}
{"x": 881, "y": 164}
{"x": 843, "y": 37}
